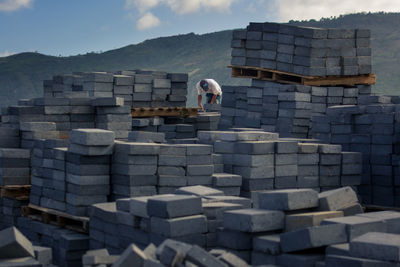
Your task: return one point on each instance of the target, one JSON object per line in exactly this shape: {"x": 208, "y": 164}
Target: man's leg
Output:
{"x": 209, "y": 97}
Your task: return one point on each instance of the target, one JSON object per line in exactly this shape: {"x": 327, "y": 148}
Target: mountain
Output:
{"x": 202, "y": 56}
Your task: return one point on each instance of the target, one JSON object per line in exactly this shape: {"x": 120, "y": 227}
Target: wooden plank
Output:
{"x": 18, "y": 192}
{"x": 164, "y": 112}
{"x": 368, "y": 79}
{"x": 57, "y": 218}
{"x": 293, "y": 78}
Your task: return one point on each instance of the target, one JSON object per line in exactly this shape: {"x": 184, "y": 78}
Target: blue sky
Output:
{"x": 71, "y": 27}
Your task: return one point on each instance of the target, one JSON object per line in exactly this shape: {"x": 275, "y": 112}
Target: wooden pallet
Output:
{"x": 57, "y": 218}
{"x": 292, "y": 78}
{"x": 164, "y": 112}
{"x": 18, "y": 192}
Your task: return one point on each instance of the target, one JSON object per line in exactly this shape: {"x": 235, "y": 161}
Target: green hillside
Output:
{"x": 201, "y": 56}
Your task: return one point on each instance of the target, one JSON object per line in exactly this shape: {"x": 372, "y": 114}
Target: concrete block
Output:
{"x": 357, "y": 225}
{"x": 253, "y": 220}
{"x": 289, "y": 199}
{"x": 299, "y": 259}
{"x": 137, "y": 148}
{"x": 225, "y": 179}
{"x": 336, "y": 260}
{"x": 174, "y": 206}
{"x": 391, "y": 219}
{"x": 13, "y": 244}
{"x": 234, "y": 240}
{"x": 337, "y": 199}
{"x": 313, "y": 237}
{"x": 108, "y": 102}
{"x": 146, "y": 137}
{"x": 199, "y": 190}
{"x": 90, "y": 150}
{"x": 269, "y": 244}
{"x": 179, "y": 226}
{"x": 92, "y": 137}
{"x": 132, "y": 256}
{"x": 303, "y": 220}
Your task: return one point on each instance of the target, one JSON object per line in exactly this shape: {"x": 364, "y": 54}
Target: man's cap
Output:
{"x": 204, "y": 85}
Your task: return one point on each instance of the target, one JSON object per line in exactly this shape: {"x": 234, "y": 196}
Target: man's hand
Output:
{"x": 199, "y": 98}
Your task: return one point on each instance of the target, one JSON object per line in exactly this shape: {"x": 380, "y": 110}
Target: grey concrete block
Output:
{"x": 179, "y": 226}
{"x": 255, "y": 172}
{"x": 253, "y": 160}
{"x": 108, "y": 102}
{"x": 174, "y": 206}
{"x": 132, "y": 256}
{"x": 313, "y": 237}
{"x": 137, "y": 148}
{"x": 234, "y": 240}
{"x": 37, "y": 126}
{"x": 358, "y": 225}
{"x": 92, "y": 137}
{"x": 199, "y": 190}
{"x": 90, "y": 150}
{"x": 202, "y": 258}
{"x": 254, "y": 147}
{"x": 289, "y": 199}
{"x": 391, "y": 219}
{"x": 225, "y": 179}
{"x": 253, "y": 220}
{"x": 337, "y": 199}
{"x": 13, "y": 244}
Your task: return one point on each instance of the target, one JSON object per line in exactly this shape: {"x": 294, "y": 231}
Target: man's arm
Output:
{"x": 213, "y": 99}
{"x": 199, "y": 98}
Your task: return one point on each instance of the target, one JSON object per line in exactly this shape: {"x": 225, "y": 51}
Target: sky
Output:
{"x": 72, "y": 27}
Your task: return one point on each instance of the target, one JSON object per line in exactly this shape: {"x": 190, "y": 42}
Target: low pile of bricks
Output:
{"x": 267, "y": 162}
{"x": 301, "y": 50}
{"x": 138, "y": 88}
{"x": 371, "y": 128}
{"x": 282, "y": 108}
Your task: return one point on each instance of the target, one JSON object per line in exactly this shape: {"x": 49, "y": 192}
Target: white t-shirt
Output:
{"x": 212, "y": 84}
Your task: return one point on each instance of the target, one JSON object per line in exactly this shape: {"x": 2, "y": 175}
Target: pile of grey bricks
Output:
{"x": 268, "y": 162}
{"x": 372, "y": 129}
{"x": 283, "y": 108}
{"x": 302, "y": 50}
{"x": 14, "y": 166}
{"x": 10, "y": 211}
{"x": 67, "y": 247}
{"x": 138, "y": 88}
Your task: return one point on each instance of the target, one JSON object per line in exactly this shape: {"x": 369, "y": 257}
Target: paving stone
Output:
{"x": 289, "y": 199}
{"x": 313, "y": 237}
{"x": 199, "y": 190}
{"x": 174, "y": 206}
{"x": 253, "y": 220}
{"x": 358, "y": 225}
{"x": 303, "y": 220}
{"x": 200, "y": 257}
{"x": 13, "y": 244}
{"x": 132, "y": 256}
{"x": 179, "y": 226}
{"x": 337, "y": 199}
{"x": 269, "y": 244}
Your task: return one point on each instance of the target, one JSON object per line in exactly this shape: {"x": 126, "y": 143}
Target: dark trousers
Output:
{"x": 210, "y": 96}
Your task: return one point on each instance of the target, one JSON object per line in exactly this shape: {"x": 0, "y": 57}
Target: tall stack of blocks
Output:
{"x": 302, "y": 50}
{"x": 372, "y": 129}
{"x": 88, "y": 166}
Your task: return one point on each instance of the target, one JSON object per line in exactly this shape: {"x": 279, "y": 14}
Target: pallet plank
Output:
{"x": 164, "y": 112}
{"x": 18, "y": 192}
{"x": 57, "y": 218}
{"x": 292, "y": 78}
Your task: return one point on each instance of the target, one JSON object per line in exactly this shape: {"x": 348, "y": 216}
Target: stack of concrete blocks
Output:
{"x": 14, "y": 166}
{"x": 88, "y": 169}
{"x": 207, "y": 121}
{"x": 82, "y": 113}
{"x": 150, "y": 124}
{"x": 308, "y": 166}
{"x": 98, "y": 84}
{"x": 56, "y": 110}
{"x": 283, "y": 108}
{"x": 134, "y": 169}
{"x": 10, "y": 137}
{"x": 123, "y": 87}
{"x": 104, "y": 227}
{"x": 111, "y": 114}
{"x": 17, "y": 250}
{"x": 179, "y": 81}
{"x": 371, "y": 248}
{"x": 67, "y": 246}
{"x": 286, "y": 164}
{"x": 330, "y": 161}
{"x": 10, "y": 211}
{"x": 178, "y": 131}
{"x": 301, "y": 50}
{"x": 182, "y": 165}
{"x": 30, "y": 131}
{"x": 48, "y": 175}
{"x": 369, "y": 128}
{"x": 66, "y": 85}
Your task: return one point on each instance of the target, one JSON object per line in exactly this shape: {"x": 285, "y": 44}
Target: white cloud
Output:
{"x": 13, "y": 5}
{"x": 316, "y": 9}
{"x": 141, "y": 5}
{"x": 6, "y": 53}
{"x": 147, "y": 21}
{"x": 181, "y": 6}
